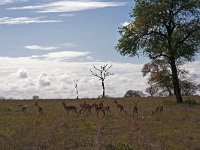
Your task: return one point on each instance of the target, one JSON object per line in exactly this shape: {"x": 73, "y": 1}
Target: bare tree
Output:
{"x": 102, "y": 73}
{"x": 76, "y": 87}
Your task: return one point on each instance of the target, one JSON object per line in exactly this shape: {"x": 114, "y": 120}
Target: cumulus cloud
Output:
{"x": 69, "y": 6}
{"x": 55, "y": 79}
{"x": 22, "y": 73}
{"x": 25, "y": 20}
{"x": 38, "y": 47}
{"x": 44, "y": 80}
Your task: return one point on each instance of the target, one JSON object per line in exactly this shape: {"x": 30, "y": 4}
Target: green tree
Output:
{"x": 152, "y": 90}
{"x": 160, "y": 79}
{"x": 159, "y": 75}
{"x": 168, "y": 29}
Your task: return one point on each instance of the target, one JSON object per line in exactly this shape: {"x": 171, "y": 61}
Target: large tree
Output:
{"x": 168, "y": 29}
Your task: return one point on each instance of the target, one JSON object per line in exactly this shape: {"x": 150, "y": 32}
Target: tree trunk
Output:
{"x": 103, "y": 89}
{"x": 176, "y": 85}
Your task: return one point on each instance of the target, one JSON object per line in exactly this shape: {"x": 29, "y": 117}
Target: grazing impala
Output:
{"x": 70, "y": 108}
{"x": 119, "y": 106}
{"x": 157, "y": 110}
{"x": 24, "y": 108}
{"x": 99, "y": 109}
{"x": 86, "y": 107}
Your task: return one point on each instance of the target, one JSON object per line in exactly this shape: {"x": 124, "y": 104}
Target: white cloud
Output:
{"x": 3, "y": 2}
{"x": 22, "y": 73}
{"x": 25, "y": 20}
{"x": 44, "y": 79}
{"x": 38, "y": 47}
{"x": 69, "y": 6}
{"x": 125, "y": 24}
{"x": 55, "y": 79}
{"x": 65, "y": 55}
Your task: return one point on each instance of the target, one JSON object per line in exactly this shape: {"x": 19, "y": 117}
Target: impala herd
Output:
{"x": 98, "y": 108}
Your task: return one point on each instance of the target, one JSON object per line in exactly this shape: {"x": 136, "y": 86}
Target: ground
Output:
{"x": 178, "y": 128}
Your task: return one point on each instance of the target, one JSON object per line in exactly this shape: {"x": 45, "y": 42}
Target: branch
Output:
{"x": 97, "y": 68}
{"x": 94, "y": 74}
{"x": 157, "y": 56}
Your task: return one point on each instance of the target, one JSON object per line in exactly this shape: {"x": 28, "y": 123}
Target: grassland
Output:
{"x": 177, "y": 129}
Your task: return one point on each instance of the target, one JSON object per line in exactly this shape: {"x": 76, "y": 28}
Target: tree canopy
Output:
{"x": 167, "y": 29}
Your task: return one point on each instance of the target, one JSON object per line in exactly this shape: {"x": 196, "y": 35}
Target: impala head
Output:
{"x": 115, "y": 101}
{"x": 136, "y": 103}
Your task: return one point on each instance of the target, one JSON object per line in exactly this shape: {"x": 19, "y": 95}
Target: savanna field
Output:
{"x": 177, "y": 128}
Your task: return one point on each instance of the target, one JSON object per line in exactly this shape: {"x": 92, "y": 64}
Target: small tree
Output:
{"x": 76, "y": 87}
{"x": 102, "y": 73}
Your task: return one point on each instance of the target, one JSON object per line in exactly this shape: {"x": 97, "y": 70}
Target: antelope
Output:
{"x": 161, "y": 109}
{"x": 105, "y": 108}
{"x": 86, "y": 107}
{"x": 69, "y": 108}
{"x": 99, "y": 108}
{"x": 39, "y": 108}
{"x": 157, "y": 110}
{"x": 119, "y": 106}
{"x": 24, "y": 108}
{"x": 135, "y": 109}
{"x": 101, "y": 104}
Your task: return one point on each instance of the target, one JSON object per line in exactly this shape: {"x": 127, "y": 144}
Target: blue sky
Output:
{"x": 46, "y": 45}
{"x": 93, "y": 27}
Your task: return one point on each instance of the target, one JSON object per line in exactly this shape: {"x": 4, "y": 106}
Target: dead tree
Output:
{"x": 102, "y": 73}
{"x": 76, "y": 87}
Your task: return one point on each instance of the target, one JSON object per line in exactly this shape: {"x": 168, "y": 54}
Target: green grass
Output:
{"x": 178, "y": 128}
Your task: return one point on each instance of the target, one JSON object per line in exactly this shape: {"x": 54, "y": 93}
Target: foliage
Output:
{"x": 160, "y": 79}
{"x": 134, "y": 93}
{"x": 163, "y": 29}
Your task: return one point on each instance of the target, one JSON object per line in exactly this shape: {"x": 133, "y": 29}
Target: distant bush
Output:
{"x": 134, "y": 93}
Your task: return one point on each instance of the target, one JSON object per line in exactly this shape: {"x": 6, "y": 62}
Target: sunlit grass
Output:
{"x": 177, "y": 128}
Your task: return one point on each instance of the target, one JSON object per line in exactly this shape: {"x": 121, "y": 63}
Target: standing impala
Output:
{"x": 135, "y": 109}
{"x": 119, "y": 106}
{"x": 39, "y": 108}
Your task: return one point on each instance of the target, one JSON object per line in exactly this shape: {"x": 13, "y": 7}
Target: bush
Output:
{"x": 134, "y": 93}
